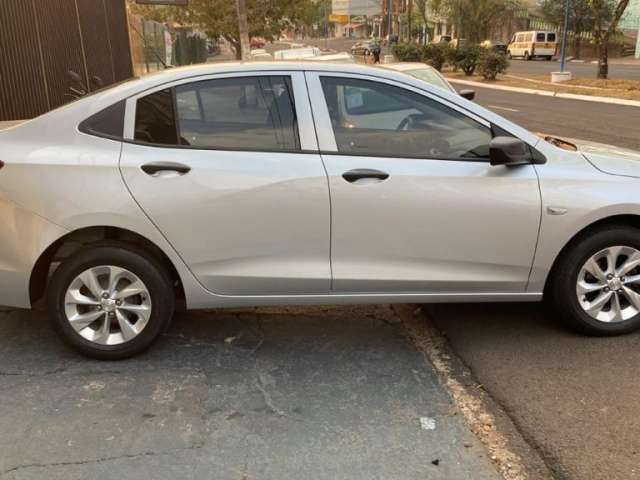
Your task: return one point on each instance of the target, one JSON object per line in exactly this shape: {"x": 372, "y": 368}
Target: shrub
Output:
{"x": 467, "y": 58}
{"x": 407, "y": 52}
{"x": 491, "y": 64}
{"x": 436, "y": 54}
{"x": 454, "y": 56}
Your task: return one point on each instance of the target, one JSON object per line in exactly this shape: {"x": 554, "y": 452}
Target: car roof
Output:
{"x": 406, "y": 66}
{"x": 133, "y": 87}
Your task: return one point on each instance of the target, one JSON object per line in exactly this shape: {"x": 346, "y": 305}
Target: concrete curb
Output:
{"x": 547, "y": 93}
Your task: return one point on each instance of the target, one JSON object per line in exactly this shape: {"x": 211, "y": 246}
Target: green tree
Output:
{"x": 427, "y": 8}
{"x": 475, "y": 20}
{"x": 581, "y": 18}
{"x": 607, "y": 14}
{"x": 218, "y": 18}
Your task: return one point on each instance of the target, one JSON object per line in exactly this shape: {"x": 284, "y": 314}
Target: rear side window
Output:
{"x": 108, "y": 123}
{"x": 248, "y": 113}
{"x": 155, "y": 119}
{"x": 551, "y": 37}
{"x": 540, "y": 37}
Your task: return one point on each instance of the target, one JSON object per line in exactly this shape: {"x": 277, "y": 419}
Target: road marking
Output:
{"x": 503, "y": 108}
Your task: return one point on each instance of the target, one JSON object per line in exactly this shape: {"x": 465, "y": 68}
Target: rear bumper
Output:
{"x": 23, "y": 238}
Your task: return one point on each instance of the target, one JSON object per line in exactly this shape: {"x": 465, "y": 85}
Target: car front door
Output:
{"x": 227, "y": 167}
{"x": 416, "y": 205}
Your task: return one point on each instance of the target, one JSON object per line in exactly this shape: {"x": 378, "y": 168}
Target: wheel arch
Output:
{"x": 69, "y": 243}
{"x": 621, "y": 220}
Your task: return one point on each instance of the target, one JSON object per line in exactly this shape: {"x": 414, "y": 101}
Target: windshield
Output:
{"x": 431, "y": 76}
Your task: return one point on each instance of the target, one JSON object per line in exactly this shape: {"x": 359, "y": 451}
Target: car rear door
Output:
{"x": 416, "y": 206}
{"x": 227, "y": 167}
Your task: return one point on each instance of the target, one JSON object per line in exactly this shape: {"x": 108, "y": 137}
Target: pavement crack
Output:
{"x": 268, "y": 400}
{"x": 31, "y": 374}
{"x": 130, "y": 456}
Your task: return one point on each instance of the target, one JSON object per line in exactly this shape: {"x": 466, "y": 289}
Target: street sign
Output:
{"x": 339, "y": 18}
{"x": 181, "y": 3}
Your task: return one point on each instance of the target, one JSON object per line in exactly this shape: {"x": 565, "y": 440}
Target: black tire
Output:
{"x": 148, "y": 269}
{"x": 509, "y": 56}
{"x": 549, "y": 58}
{"x": 527, "y": 56}
{"x": 562, "y": 283}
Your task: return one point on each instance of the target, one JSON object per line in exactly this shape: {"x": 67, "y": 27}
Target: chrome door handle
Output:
{"x": 155, "y": 168}
{"x": 360, "y": 173}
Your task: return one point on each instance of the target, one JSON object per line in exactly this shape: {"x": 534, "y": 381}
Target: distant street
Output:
{"x": 598, "y": 122}
{"x": 617, "y": 71}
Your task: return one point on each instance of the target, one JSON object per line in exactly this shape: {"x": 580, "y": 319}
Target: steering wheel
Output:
{"x": 409, "y": 121}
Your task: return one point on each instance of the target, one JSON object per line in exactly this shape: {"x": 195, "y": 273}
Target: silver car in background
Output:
{"x": 253, "y": 184}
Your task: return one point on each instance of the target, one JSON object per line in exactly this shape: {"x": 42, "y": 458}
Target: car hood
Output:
{"x": 606, "y": 158}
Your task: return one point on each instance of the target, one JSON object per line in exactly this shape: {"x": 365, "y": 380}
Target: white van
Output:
{"x": 533, "y": 44}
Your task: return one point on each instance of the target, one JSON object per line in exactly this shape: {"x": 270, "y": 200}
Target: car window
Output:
{"x": 540, "y": 37}
{"x": 372, "y": 118}
{"x": 520, "y": 38}
{"x": 551, "y": 37}
{"x": 528, "y": 37}
{"x": 155, "y": 119}
{"x": 238, "y": 113}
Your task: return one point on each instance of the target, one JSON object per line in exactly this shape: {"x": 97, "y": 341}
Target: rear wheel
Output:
{"x": 549, "y": 58}
{"x": 527, "y": 56}
{"x": 110, "y": 301}
{"x": 596, "y": 288}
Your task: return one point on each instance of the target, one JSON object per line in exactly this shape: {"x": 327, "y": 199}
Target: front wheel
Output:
{"x": 110, "y": 301}
{"x": 596, "y": 285}
{"x": 527, "y": 56}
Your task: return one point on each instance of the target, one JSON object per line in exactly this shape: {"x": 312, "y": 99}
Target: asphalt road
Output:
{"x": 332, "y": 393}
{"x": 599, "y": 122}
{"x": 579, "y": 70}
{"x": 576, "y": 399}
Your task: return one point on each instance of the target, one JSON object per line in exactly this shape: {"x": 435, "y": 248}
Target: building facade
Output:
{"x": 40, "y": 41}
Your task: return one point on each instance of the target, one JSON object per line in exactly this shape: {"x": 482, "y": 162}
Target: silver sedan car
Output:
{"x": 238, "y": 185}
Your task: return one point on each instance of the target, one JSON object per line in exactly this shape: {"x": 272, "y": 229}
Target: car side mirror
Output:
{"x": 509, "y": 151}
{"x": 468, "y": 94}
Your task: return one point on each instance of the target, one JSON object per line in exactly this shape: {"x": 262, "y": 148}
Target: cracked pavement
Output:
{"x": 322, "y": 393}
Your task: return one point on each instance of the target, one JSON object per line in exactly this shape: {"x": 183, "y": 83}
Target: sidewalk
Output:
{"x": 621, "y": 92}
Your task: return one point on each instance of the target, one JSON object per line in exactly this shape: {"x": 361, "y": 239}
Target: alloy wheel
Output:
{"x": 608, "y": 284}
{"x": 107, "y": 305}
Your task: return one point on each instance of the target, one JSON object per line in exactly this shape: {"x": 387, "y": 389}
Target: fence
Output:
{"x": 40, "y": 41}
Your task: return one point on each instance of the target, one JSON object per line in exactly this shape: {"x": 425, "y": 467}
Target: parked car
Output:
{"x": 533, "y": 44}
{"x": 495, "y": 46}
{"x": 300, "y": 53}
{"x": 340, "y": 57}
{"x": 210, "y": 184}
{"x": 260, "y": 54}
{"x": 428, "y": 74}
{"x": 365, "y": 48}
{"x": 257, "y": 43}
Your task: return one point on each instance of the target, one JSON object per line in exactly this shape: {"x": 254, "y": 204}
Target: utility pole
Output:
{"x": 389, "y": 23}
{"x": 409, "y": 13}
{"x": 243, "y": 28}
{"x": 563, "y": 47}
